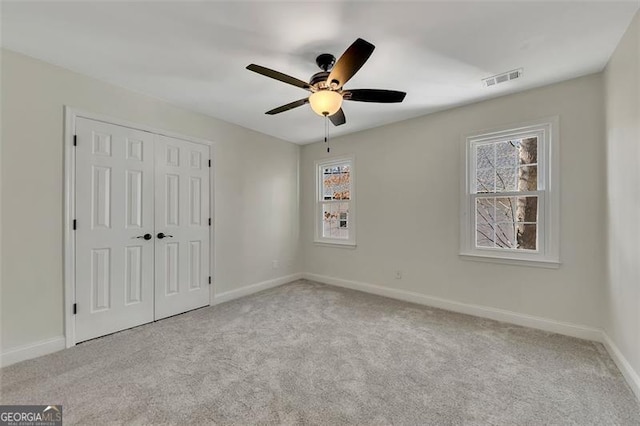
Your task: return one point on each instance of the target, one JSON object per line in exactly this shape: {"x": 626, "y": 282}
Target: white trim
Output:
{"x": 70, "y": 115}
{"x": 548, "y": 253}
{"x": 254, "y": 288}
{"x": 630, "y": 375}
{"x": 75, "y": 112}
{"x": 69, "y": 243}
{"x": 339, "y": 245}
{"x": 565, "y": 328}
{"x": 501, "y": 258}
{"x": 32, "y": 350}
{"x": 212, "y": 215}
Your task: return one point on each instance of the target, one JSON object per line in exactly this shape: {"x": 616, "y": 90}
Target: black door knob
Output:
{"x": 162, "y": 235}
{"x": 146, "y": 236}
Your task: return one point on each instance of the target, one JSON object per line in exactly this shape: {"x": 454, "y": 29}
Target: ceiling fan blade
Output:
{"x": 338, "y": 118}
{"x": 279, "y": 76}
{"x": 350, "y": 62}
{"x": 374, "y": 95}
{"x": 287, "y": 107}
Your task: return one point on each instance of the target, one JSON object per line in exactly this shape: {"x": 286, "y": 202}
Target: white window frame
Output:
{"x": 547, "y": 254}
{"x": 319, "y": 239}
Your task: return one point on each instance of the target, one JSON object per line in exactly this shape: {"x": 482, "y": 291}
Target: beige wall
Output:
{"x": 407, "y": 189}
{"x": 256, "y": 191}
{"x": 622, "y": 84}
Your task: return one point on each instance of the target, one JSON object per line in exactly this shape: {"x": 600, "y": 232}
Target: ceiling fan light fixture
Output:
{"x": 325, "y": 102}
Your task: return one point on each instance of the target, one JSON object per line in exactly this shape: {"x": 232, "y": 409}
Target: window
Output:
{"x": 334, "y": 202}
{"x": 510, "y": 210}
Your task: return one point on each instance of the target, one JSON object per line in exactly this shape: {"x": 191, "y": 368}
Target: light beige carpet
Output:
{"x": 305, "y": 353}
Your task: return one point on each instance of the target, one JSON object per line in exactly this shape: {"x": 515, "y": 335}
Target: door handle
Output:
{"x": 162, "y": 235}
{"x": 145, "y": 236}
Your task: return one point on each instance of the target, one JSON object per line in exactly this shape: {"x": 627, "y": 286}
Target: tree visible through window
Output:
{"x": 507, "y": 172}
{"x": 510, "y": 203}
{"x": 334, "y": 201}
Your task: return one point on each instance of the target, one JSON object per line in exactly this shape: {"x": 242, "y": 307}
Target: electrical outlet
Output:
{"x": 398, "y": 275}
{"x": 274, "y": 264}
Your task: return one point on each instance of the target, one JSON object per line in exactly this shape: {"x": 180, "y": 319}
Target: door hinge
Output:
{"x": 209, "y": 221}
{"x": 75, "y": 224}
{"x": 209, "y": 163}
{"x": 209, "y": 280}
{"x": 75, "y": 308}
{"x": 75, "y": 140}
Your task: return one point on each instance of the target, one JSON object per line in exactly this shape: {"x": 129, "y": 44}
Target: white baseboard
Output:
{"x": 254, "y": 288}
{"x": 632, "y": 377}
{"x": 565, "y": 328}
{"x": 33, "y": 350}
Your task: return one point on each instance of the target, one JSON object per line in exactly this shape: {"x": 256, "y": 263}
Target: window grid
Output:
{"x": 334, "y": 208}
{"x": 490, "y": 231}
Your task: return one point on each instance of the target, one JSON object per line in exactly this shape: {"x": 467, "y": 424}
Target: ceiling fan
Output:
{"x": 326, "y": 86}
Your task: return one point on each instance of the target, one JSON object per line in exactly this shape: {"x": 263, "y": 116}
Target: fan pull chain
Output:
{"x": 326, "y": 132}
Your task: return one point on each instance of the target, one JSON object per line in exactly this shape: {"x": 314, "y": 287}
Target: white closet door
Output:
{"x": 114, "y": 209}
{"x": 182, "y": 217}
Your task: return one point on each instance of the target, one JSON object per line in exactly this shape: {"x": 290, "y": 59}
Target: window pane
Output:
{"x": 527, "y": 209}
{"x": 501, "y": 235}
{"x": 484, "y": 236}
{"x": 506, "y": 154}
{"x": 485, "y": 210}
{"x": 507, "y": 222}
{"x": 528, "y": 178}
{"x": 527, "y": 236}
{"x": 336, "y": 182}
{"x": 484, "y": 156}
{"x": 528, "y": 151}
{"x": 485, "y": 180}
{"x": 507, "y": 166}
{"x": 335, "y": 220}
{"x": 505, "y": 235}
{"x": 506, "y": 179}
{"x": 505, "y": 209}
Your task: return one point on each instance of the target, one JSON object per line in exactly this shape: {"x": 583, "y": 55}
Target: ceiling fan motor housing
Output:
{"x": 319, "y": 80}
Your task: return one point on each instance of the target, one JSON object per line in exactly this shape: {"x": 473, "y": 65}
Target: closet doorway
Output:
{"x": 138, "y": 203}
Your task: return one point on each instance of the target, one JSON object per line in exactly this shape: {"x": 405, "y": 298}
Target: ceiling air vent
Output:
{"x": 501, "y": 78}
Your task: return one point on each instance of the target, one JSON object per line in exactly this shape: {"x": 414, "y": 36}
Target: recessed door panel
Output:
{"x": 134, "y": 149}
{"x": 172, "y": 197}
{"x": 195, "y": 201}
{"x": 171, "y": 267}
{"x": 195, "y": 261}
{"x": 133, "y": 198}
{"x": 133, "y": 274}
{"x": 101, "y": 197}
{"x": 100, "y": 279}
{"x": 114, "y": 206}
{"x": 101, "y": 143}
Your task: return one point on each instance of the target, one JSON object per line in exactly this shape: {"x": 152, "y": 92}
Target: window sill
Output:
{"x": 339, "y": 244}
{"x": 536, "y": 263}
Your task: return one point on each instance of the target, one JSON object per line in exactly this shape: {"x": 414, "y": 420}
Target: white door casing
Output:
{"x": 182, "y": 215}
{"x": 114, "y": 206}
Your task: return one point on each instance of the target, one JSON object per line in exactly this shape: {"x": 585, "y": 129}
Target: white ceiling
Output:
{"x": 194, "y": 54}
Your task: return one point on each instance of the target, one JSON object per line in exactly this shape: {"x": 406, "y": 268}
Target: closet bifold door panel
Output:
{"x": 141, "y": 227}
{"x": 114, "y": 276}
{"x": 181, "y": 226}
